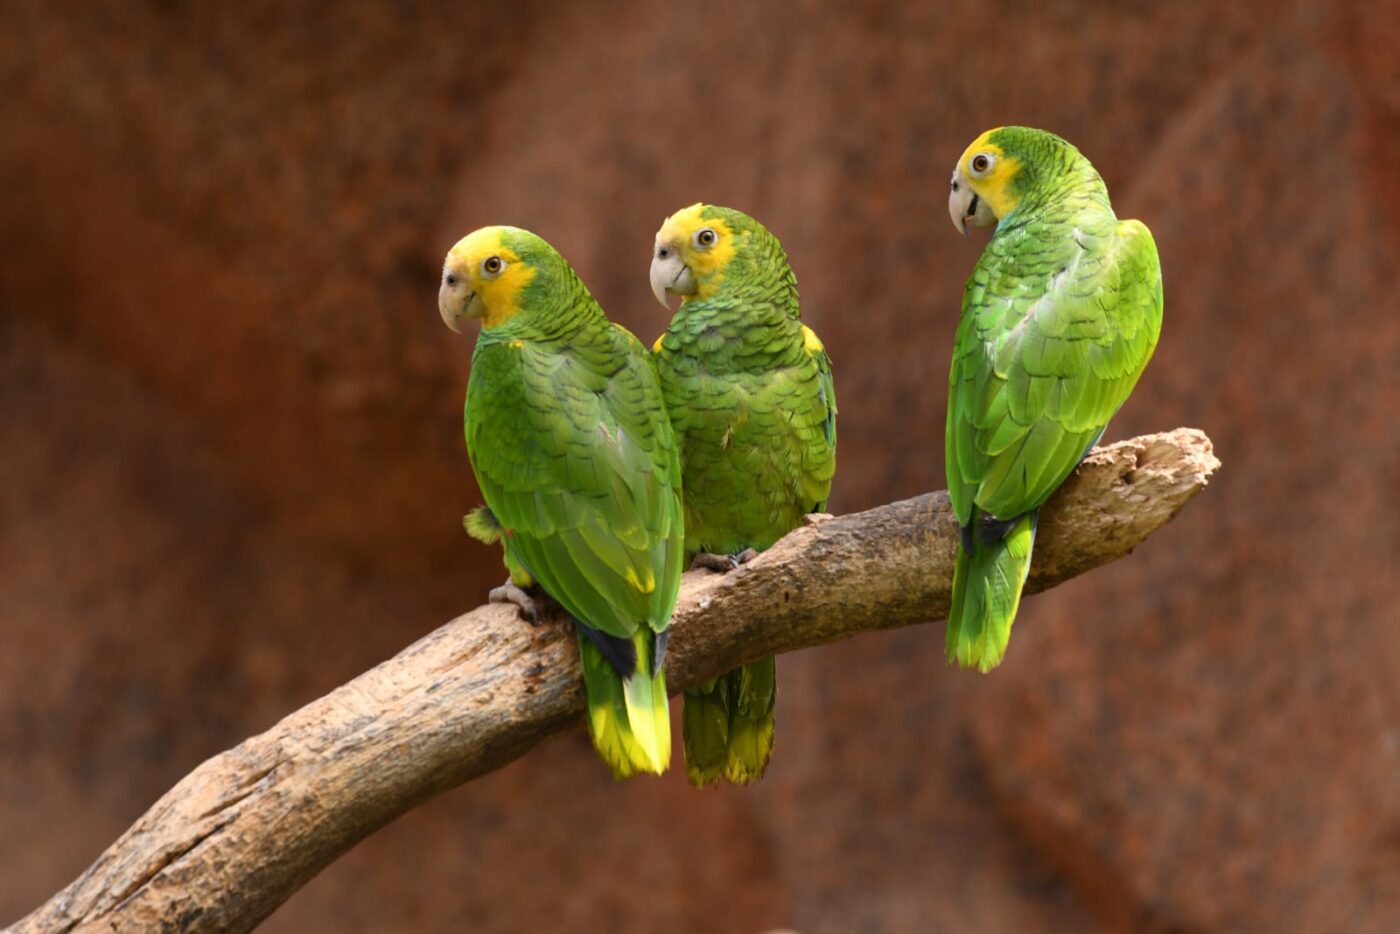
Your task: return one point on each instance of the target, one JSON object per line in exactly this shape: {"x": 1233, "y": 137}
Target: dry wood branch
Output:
{"x": 242, "y": 832}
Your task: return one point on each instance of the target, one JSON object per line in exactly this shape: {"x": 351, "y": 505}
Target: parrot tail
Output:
{"x": 728, "y": 725}
{"x": 993, "y": 561}
{"x": 628, "y": 718}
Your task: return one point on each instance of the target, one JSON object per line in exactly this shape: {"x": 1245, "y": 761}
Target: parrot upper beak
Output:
{"x": 455, "y": 303}
{"x": 964, "y": 205}
{"x": 669, "y": 273}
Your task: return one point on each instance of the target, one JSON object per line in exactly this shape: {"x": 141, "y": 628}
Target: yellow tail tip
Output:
{"x": 984, "y": 660}
{"x": 634, "y": 739}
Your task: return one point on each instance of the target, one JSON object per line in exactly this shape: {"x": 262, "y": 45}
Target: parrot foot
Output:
{"x": 509, "y": 593}
{"x": 722, "y": 563}
{"x": 817, "y": 518}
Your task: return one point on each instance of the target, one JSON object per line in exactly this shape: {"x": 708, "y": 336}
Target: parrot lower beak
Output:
{"x": 670, "y": 274}
{"x": 964, "y": 205}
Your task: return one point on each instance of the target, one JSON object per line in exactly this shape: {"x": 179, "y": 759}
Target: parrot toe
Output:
{"x": 713, "y": 562}
{"x": 510, "y": 593}
{"x": 722, "y": 563}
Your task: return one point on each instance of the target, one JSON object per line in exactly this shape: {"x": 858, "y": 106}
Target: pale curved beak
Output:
{"x": 455, "y": 303}
{"x": 964, "y": 205}
{"x": 669, "y": 273}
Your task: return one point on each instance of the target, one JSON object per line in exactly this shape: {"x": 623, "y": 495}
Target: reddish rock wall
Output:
{"x": 232, "y": 470}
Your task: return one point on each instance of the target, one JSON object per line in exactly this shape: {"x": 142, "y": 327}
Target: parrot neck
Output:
{"x": 1075, "y": 191}
{"x": 758, "y": 277}
{"x": 748, "y": 303}
{"x": 722, "y": 330}
{"x": 553, "y": 326}
{"x": 555, "y": 315}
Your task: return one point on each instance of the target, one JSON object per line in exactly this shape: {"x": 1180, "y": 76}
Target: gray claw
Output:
{"x": 722, "y": 563}
{"x": 509, "y": 593}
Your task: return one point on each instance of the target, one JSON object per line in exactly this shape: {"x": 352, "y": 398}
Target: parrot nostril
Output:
{"x": 662, "y": 253}
{"x": 450, "y": 279}
{"x": 955, "y": 184}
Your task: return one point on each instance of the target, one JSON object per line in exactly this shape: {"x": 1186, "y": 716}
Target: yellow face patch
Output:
{"x": 493, "y": 271}
{"x": 994, "y": 185}
{"x": 707, "y": 263}
{"x": 811, "y": 342}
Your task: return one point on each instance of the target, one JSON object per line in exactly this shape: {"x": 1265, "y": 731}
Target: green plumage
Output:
{"x": 1059, "y": 318}
{"x": 751, "y": 398}
{"x": 569, "y": 439}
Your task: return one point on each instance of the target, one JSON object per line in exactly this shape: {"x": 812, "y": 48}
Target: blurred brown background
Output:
{"x": 231, "y": 467}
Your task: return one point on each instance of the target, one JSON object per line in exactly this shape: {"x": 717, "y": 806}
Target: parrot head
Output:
{"x": 697, "y": 247}
{"x": 486, "y": 275}
{"x": 1001, "y": 168}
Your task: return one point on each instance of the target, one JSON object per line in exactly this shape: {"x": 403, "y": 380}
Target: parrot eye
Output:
{"x": 705, "y": 237}
{"x": 492, "y": 266}
{"x": 981, "y": 163}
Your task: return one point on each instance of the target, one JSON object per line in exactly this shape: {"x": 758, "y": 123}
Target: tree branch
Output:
{"x": 242, "y": 832}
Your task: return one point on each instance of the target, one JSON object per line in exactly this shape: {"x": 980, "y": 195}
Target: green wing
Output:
{"x": 1049, "y": 345}
{"x": 574, "y": 454}
{"x": 819, "y": 458}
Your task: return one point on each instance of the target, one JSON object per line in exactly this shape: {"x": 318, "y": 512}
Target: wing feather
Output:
{"x": 1047, "y": 350}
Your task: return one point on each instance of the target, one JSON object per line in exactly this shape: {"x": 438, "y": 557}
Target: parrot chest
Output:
{"x": 741, "y": 457}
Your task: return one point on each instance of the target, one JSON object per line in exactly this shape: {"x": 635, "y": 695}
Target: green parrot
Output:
{"x": 568, "y": 436}
{"x": 1059, "y": 319}
{"x": 750, "y": 394}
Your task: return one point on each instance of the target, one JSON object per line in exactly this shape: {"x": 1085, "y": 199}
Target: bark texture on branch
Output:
{"x": 242, "y": 832}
